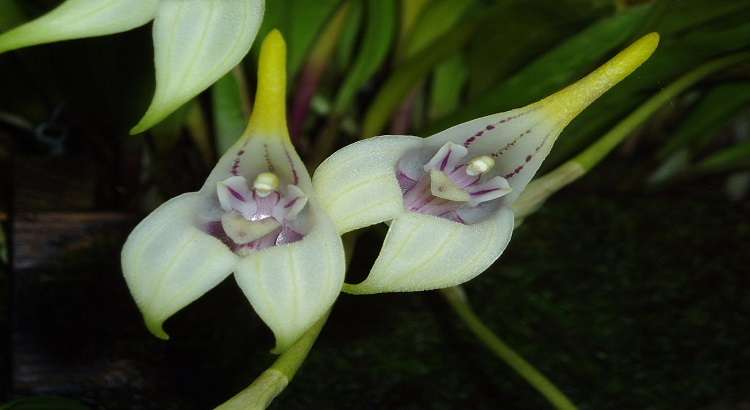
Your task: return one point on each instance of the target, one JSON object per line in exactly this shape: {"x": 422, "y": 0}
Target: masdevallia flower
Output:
{"x": 196, "y": 42}
{"x": 257, "y": 216}
{"x": 448, "y": 197}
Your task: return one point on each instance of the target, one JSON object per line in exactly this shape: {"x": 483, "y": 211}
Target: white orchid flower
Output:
{"x": 448, "y": 197}
{"x": 257, "y": 216}
{"x": 196, "y": 42}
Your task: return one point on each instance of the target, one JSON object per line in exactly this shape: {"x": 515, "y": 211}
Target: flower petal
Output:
{"x": 357, "y": 185}
{"x": 265, "y": 144}
{"x": 519, "y": 140}
{"x": 423, "y": 252}
{"x": 196, "y": 42}
{"x": 169, "y": 262}
{"x": 79, "y": 19}
{"x": 291, "y": 286}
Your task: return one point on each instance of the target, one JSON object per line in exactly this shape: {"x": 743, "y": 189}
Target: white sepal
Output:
{"x": 291, "y": 286}
{"x": 168, "y": 262}
{"x": 196, "y": 42}
{"x": 423, "y": 252}
{"x": 79, "y": 19}
{"x": 357, "y": 185}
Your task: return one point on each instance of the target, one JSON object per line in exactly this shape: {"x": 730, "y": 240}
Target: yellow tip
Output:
{"x": 269, "y": 112}
{"x": 569, "y": 102}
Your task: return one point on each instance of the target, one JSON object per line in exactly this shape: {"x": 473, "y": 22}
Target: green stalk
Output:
{"x": 460, "y": 304}
{"x": 260, "y": 394}
{"x": 270, "y": 383}
{"x": 593, "y": 154}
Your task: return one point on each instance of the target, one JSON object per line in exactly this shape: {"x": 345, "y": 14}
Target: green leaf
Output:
{"x": 231, "y": 109}
{"x": 516, "y": 44}
{"x": 195, "y": 44}
{"x": 378, "y": 37}
{"x": 736, "y": 157}
{"x": 674, "y": 57}
{"x": 553, "y": 70}
{"x": 711, "y": 113}
{"x": 349, "y": 35}
{"x": 683, "y": 15}
{"x": 447, "y": 83}
{"x": 10, "y": 14}
{"x": 417, "y": 68}
{"x": 79, "y": 19}
{"x": 169, "y": 131}
{"x": 307, "y": 19}
{"x": 436, "y": 20}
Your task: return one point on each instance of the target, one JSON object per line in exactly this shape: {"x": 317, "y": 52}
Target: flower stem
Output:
{"x": 260, "y": 394}
{"x": 460, "y": 304}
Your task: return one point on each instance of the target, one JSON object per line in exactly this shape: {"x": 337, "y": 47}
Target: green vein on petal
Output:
{"x": 196, "y": 42}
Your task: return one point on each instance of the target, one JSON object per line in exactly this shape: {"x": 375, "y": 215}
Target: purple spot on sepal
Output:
{"x": 236, "y": 194}
{"x": 484, "y": 191}
{"x": 291, "y": 203}
{"x": 445, "y": 160}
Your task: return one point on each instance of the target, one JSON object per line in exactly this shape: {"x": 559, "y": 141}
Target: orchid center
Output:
{"x": 260, "y": 215}
{"x": 447, "y": 186}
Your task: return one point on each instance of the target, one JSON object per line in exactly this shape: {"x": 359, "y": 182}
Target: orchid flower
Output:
{"x": 196, "y": 42}
{"x": 256, "y": 215}
{"x": 448, "y": 197}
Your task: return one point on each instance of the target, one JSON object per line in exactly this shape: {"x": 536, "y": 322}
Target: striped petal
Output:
{"x": 292, "y": 286}
{"x": 168, "y": 262}
{"x": 423, "y": 252}
{"x": 196, "y": 42}
{"x": 79, "y": 19}
{"x": 519, "y": 140}
{"x": 358, "y": 185}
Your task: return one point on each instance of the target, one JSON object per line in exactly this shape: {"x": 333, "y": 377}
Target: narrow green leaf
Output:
{"x": 734, "y": 158}
{"x": 553, "y": 70}
{"x": 410, "y": 12}
{"x": 349, "y": 35}
{"x": 414, "y": 71}
{"x": 231, "y": 109}
{"x": 516, "y": 44}
{"x": 169, "y": 131}
{"x": 438, "y": 18}
{"x": 307, "y": 19}
{"x": 447, "y": 83}
{"x": 196, "y": 42}
{"x": 686, "y": 14}
{"x": 79, "y": 19}
{"x": 199, "y": 132}
{"x": 10, "y": 14}
{"x": 712, "y": 112}
{"x": 674, "y": 57}
{"x": 381, "y": 25}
